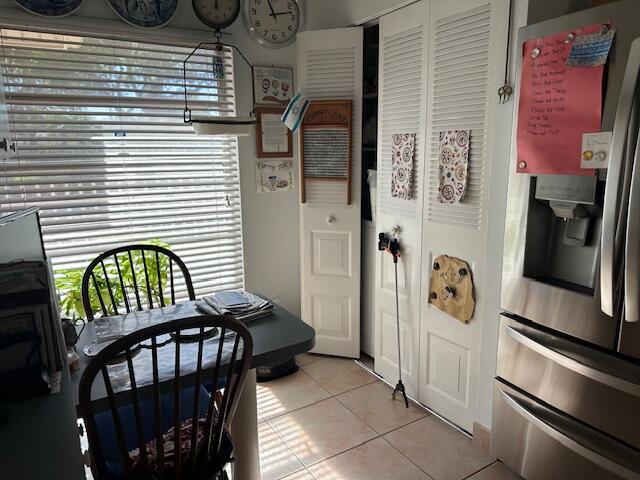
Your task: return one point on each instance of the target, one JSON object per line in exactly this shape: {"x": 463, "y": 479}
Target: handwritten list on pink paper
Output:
{"x": 558, "y": 103}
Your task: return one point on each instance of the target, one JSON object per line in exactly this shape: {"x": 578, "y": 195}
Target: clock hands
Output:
{"x": 273, "y": 13}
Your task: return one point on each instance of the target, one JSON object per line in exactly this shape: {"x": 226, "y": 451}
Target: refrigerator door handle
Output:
{"x": 566, "y": 440}
{"x": 593, "y": 373}
{"x": 632, "y": 246}
{"x": 614, "y": 174}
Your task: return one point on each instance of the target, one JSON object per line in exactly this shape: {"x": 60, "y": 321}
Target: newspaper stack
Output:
{"x": 243, "y": 306}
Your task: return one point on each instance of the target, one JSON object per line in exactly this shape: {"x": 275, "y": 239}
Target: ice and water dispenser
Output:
{"x": 563, "y": 231}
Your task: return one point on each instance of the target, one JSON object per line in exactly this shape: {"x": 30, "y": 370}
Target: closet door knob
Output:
{"x": 331, "y": 220}
{"x": 12, "y": 147}
{"x": 3, "y": 145}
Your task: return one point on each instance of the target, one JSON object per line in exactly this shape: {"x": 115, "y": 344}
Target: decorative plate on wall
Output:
{"x": 50, "y": 8}
{"x": 145, "y": 13}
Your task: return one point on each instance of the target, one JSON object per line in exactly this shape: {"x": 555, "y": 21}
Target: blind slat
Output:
{"x": 103, "y": 151}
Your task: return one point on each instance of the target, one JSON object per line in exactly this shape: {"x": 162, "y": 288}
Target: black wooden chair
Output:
{"x": 164, "y": 424}
{"x": 130, "y": 278}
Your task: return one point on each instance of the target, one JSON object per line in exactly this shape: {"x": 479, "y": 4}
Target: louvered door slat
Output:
{"x": 330, "y": 74}
{"x": 461, "y": 94}
{"x": 402, "y": 92}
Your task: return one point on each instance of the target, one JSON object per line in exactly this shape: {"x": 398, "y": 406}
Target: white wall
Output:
{"x": 497, "y": 192}
{"x": 270, "y": 221}
{"x": 344, "y": 13}
{"x": 540, "y": 11}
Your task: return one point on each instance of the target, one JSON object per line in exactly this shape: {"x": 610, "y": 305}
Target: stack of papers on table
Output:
{"x": 243, "y": 306}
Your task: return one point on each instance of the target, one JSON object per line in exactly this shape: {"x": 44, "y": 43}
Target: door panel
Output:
{"x": 467, "y": 54}
{"x": 401, "y": 109}
{"x": 330, "y": 68}
{"x": 331, "y": 253}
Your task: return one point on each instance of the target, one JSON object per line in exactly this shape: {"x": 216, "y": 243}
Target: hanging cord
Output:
{"x": 218, "y": 46}
{"x": 506, "y": 90}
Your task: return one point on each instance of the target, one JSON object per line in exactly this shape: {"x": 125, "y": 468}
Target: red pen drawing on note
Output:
{"x": 558, "y": 103}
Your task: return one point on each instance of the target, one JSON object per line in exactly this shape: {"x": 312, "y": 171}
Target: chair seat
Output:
{"x": 107, "y": 435}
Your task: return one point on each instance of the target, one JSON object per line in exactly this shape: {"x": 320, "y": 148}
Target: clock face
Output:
{"x": 272, "y": 22}
{"x": 217, "y": 13}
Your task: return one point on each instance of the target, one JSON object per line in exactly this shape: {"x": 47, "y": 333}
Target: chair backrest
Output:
{"x": 158, "y": 377}
{"x": 131, "y": 278}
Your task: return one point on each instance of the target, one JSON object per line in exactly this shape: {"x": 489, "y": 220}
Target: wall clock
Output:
{"x": 273, "y": 23}
{"x": 217, "y": 14}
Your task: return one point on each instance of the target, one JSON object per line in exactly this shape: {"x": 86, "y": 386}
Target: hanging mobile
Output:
{"x": 217, "y": 14}
{"x": 390, "y": 243}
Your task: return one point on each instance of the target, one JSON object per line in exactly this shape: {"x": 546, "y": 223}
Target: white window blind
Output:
{"x": 103, "y": 151}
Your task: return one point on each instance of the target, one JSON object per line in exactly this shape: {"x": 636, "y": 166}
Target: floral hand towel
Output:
{"x": 403, "y": 146}
{"x": 454, "y": 162}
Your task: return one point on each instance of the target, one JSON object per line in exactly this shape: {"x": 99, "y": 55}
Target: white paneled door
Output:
{"x": 330, "y": 68}
{"x": 467, "y": 54}
{"x": 402, "y": 92}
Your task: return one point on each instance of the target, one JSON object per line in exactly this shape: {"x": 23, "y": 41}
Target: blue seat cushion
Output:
{"x": 107, "y": 434}
{"x": 208, "y": 384}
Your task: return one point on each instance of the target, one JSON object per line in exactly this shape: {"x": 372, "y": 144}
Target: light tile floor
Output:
{"x": 333, "y": 420}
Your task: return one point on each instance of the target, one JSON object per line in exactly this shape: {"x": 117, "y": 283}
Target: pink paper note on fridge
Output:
{"x": 558, "y": 103}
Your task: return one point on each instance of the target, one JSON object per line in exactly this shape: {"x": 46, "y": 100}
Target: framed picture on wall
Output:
{"x": 272, "y": 85}
{"x": 273, "y": 138}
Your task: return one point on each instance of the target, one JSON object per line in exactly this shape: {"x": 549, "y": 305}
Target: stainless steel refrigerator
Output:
{"x": 567, "y": 391}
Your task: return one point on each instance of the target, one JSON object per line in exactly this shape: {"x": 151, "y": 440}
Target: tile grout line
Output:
{"x": 480, "y": 470}
{"x": 377, "y": 435}
{"x": 410, "y": 423}
{"x": 375, "y": 379}
{"x": 345, "y": 451}
{"x": 307, "y": 467}
{"x": 371, "y": 426}
{"x": 410, "y": 461}
{"x": 416, "y": 402}
{"x": 315, "y": 402}
{"x": 299, "y": 408}
{"x": 335, "y": 396}
{"x": 331, "y": 395}
{"x": 286, "y": 445}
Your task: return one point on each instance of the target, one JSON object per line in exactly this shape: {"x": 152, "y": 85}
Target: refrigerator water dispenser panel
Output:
{"x": 563, "y": 231}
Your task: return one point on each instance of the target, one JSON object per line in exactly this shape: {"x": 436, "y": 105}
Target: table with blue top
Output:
{"x": 276, "y": 338}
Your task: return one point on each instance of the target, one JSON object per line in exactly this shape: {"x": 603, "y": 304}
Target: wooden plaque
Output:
{"x": 273, "y": 138}
{"x": 326, "y": 144}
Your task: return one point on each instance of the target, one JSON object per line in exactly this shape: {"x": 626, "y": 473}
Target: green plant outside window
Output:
{"x": 69, "y": 283}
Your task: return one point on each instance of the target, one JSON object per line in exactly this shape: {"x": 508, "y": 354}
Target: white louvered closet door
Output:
{"x": 330, "y": 68}
{"x": 401, "y": 109}
{"x": 467, "y": 54}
